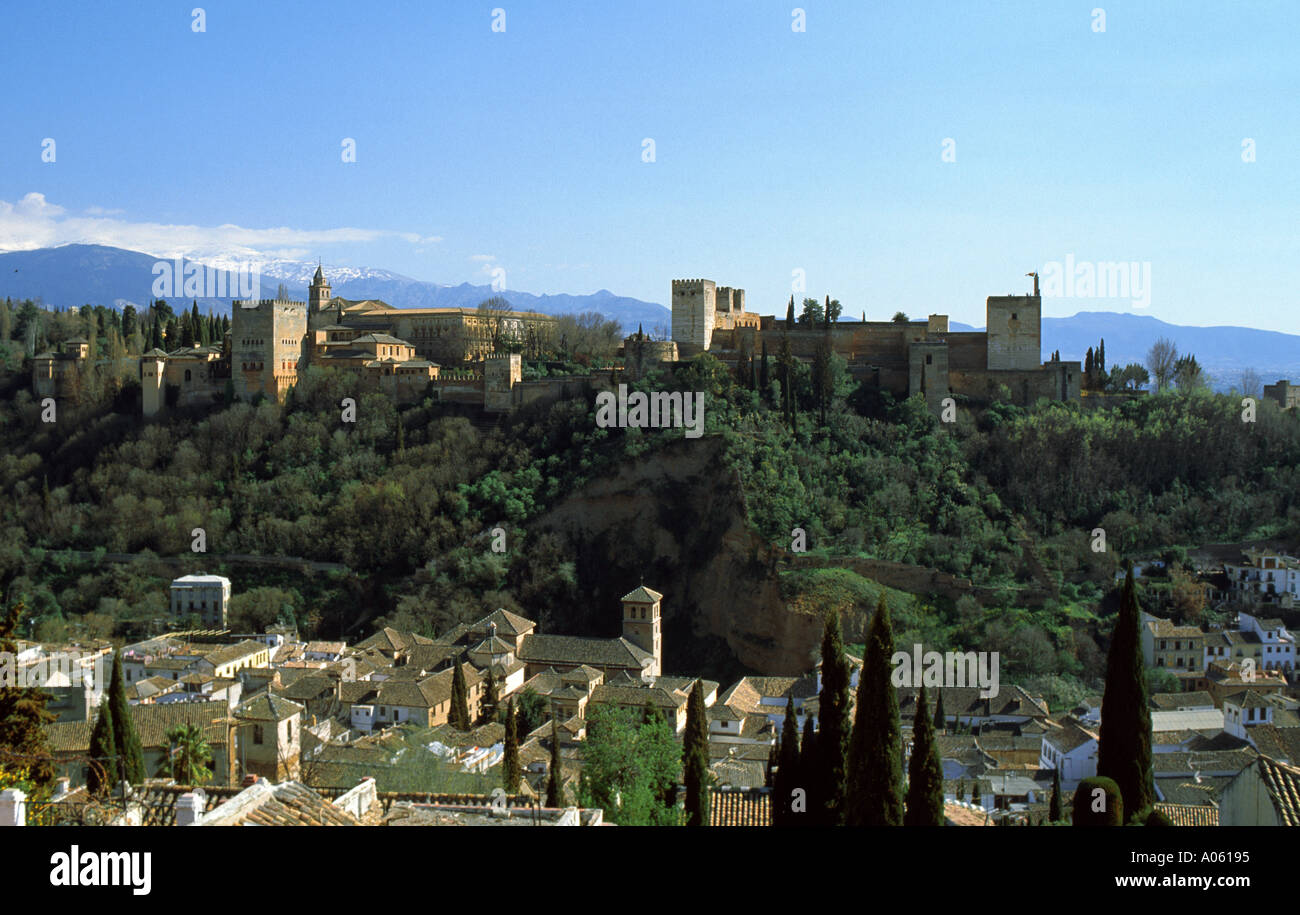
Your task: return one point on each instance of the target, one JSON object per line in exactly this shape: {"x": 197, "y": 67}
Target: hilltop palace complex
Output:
{"x": 448, "y": 353}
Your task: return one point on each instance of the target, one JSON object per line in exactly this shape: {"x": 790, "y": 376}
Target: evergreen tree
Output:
{"x": 787, "y": 767}
{"x": 975, "y": 794}
{"x": 22, "y": 710}
{"x": 764, "y": 376}
{"x": 103, "y": 749}
{"x": 128, "y": 741}
{"x": 553, "y": 790}
{"x": 488, "y": 708}
{"x": 1054, "y": 809}
{"x": 940, "y": 719}
{"x": 924, "y": 771}
{"x": 833, "y": 715}
{"x": 789, "y": 315}
{"x": 1098, "y": 802}
{"x": 155, "y": 335}
{"x": 809, "y": 769}
{"x": 1125, "y": 737}
{"x": 875, "y": 770}
{"x": 459, "y": 716}
{"x": 695, "y": 759}
{"x": 510, "y": 759}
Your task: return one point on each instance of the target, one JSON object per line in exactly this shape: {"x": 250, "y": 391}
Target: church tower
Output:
{"x": 641, "y": 624}
{"x": 318, "y": 295}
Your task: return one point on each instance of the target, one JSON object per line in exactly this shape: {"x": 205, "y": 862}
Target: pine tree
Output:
{"x": 1124, "y": 754}
{"x": 510, "y": 759}
{"x": 459, "y": 716}
{"x": 875, "y": 770}
{"x": 695, "y": 759}
{"x": 940, "y": 719}
{"x": 124, "y": 733}
{"x": 103, "y": 749}
{"x": 833, "y": 715}
{"x": 787, "y": 767}
{"x": 553, "y": 790}
{"x": 924, "y": 771}
{"x": 1054, "y": 809}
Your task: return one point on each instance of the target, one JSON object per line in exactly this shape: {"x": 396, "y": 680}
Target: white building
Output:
{"x": 204, "y": 596}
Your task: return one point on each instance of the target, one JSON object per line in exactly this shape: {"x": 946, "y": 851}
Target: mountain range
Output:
{"x": 74, "y": 275}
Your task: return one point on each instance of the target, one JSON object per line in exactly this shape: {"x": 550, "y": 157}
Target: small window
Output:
{"x": 1013, "y": 316}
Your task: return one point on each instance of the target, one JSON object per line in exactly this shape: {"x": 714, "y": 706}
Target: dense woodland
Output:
{"x": 406, "y": 498}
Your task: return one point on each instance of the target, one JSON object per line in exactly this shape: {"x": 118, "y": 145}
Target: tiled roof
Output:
{"x": 286, "y": 804}
{"x": 506, "y": 622}
{"x": 1190, "y": 815}
{"x": 1176, "y": 701}
{"x": 569, "y": 650}
{"x": 742, "y": 807}
{"x": 228, "y": 653}
{"x": 267, "y": 707}
{"x": 1283, "y": 785}
{"x": 152, "y": 722}
{"x": 642, "y": 595}
{"x": 637, "y": 696}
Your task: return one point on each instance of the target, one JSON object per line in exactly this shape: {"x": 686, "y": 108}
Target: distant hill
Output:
{"x": 74, "y": 275}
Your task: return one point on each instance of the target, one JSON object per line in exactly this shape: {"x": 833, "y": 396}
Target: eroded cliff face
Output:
{"x": 676, "y": 519}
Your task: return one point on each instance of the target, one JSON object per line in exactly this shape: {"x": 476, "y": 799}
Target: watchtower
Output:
{"x": 694, "y": 314}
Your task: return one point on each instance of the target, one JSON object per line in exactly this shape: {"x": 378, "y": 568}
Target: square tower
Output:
{"x": 267, "y": 341}
{"x": 1014, "y": 328}
{"x": 694, "y": 314}
{"x": 204, "y": 596}
{"x": 641, "y": 624}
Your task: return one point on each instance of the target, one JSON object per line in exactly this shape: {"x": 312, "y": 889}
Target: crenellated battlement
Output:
{"x": 244, "y": 303}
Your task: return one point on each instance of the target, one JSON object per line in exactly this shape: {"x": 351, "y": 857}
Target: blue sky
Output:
{"x": 775, "y": 150}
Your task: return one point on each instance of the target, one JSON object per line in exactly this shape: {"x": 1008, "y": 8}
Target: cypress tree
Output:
{"x": 787, "y": 767}
{"x": 940, "y": 720}
{"x": 1125, "y": 737}
{"x": 553, "y": 777}
{"x": 128, "y": 741}
{"x": 975, "y": 794}
{"x": 806, "y": 781}
{"x": 1054, "y": 809}
{"x": 833, "y": 712}
{"x": 490, "y": 698}
{"x": 459, "y": 716}
{"x": 695, "y": 759}
{"x": 789, "y": 315}
{"x": 924, "y": 772}
{"x": 103, "y": 749}
{"x": 875, "y": 770}
{"x": 764, "y": 377}
{"x": 510, "y": 759}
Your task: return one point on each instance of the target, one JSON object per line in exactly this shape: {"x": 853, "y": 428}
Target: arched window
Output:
{"x": 187, "y": 374}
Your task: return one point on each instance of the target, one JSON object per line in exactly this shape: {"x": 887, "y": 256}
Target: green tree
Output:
{"x": 190, "y": 757}
{"x": 1098, "y": 802}
{"x": 875, "y": 770}
{"x": 1055, "y": 812}
{"x": 789, "y": 315}
{"x": 809, "y": 772}
{"x": 833, "y": 718}
{"x": 103, "y": 749}
{"x": 812, "y": 313}
{"x": 510, "y": 759}
{"x": 630, "y": 766}
{"x": 940, "y": 719}
{"x": 554, "y": 792}
{"x": 695, "y": 759}
{"x": 787, "y": 767}
{"x": 22, "y": 711}
{"x": 130, "y": 753}
{"x": 1124, "y": 754}
{"x": 459, "y": 716}
{"x": 924, "y": 771}
{"x": 488, "y": 709}
{"x": 532, "y": 710}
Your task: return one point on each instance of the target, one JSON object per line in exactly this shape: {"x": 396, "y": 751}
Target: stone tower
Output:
{"x": 267, "y": 341}
{"x": 694, "y": 314}
{"x": 641, "y": 625}
{"x": 501, "y": 372}
{"x": 1014, "y": 332}
{"x": 318, "y": 295}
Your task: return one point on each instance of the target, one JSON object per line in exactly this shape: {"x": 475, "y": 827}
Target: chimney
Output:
{"x": 492, "y": 630}
{"x": 13, "y": 807}
{"x": 189, "y": 808}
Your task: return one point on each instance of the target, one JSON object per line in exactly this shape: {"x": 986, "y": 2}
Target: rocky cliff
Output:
{"x": 677, "y": 520}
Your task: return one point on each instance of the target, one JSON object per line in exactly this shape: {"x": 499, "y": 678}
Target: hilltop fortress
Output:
{"x": 904, "y": 358}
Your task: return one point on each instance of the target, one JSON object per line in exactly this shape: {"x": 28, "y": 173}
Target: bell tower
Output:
{"x": 641, "y": 625}
{"x": 318, "y": 294}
